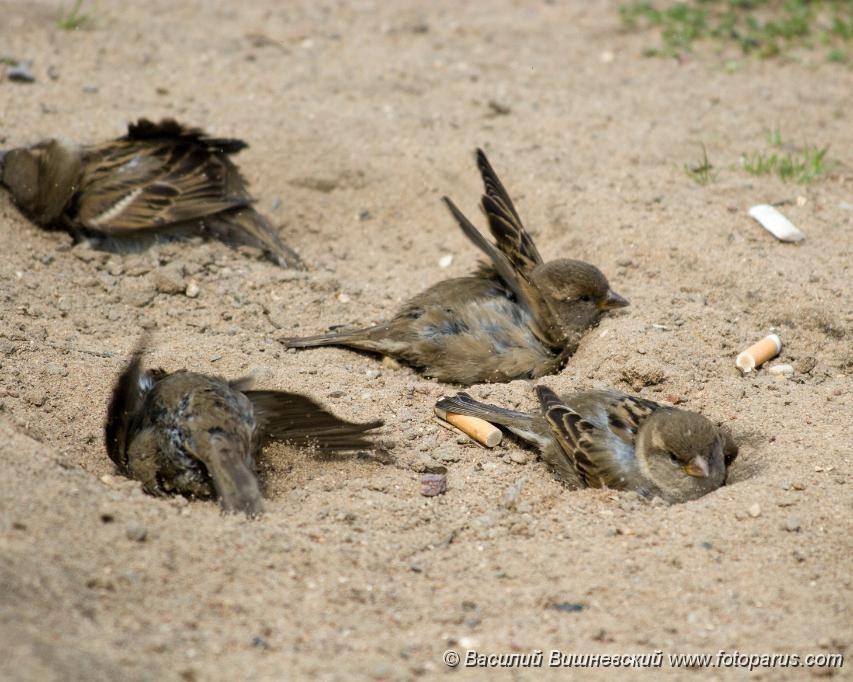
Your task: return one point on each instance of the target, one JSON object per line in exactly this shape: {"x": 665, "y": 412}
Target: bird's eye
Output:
{"x": 673, "y": 458}
{"x": 586, "y": 298}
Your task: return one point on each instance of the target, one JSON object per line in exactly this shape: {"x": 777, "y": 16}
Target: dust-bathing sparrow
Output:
{"x": 161, "y": 180}
{"x": 517, "y": 317}
{"x": 609, "y": 439}
{"x": 199, "y": 435}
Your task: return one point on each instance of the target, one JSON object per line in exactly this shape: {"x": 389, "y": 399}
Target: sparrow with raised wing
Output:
{"x": 161, "y": 180}
{"x": 199, "y": 435}
{"x": 518, "y": 317}
{"x": 608, "y": 439}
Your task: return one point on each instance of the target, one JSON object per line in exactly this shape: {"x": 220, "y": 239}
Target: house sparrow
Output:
{"x": 199, "y": 435}
{"x": 516, "y": 318}
{"x": 160, "y": 180}
{"x": 608, "y": 439}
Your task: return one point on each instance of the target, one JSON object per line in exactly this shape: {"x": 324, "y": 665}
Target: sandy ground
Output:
{"x": 360, "y": 116}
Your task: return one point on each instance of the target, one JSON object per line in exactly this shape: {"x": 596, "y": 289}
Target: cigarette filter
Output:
{"x": 479, "y": 429}
{"x": 759, "y": 353}
{"x": 776, "y": 224}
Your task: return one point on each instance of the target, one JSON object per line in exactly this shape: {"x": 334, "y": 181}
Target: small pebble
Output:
{"x": 136, "y": 532}
{"x": 192, "y": 289}
{"x": 784, "y": 370}
{"x": 433, "y": 484}
{"x": 792, "y": 524}
{"x": 372, "y": 373}
{"x": 90, "y": 89}
{"x": 445, "y": 261}
{"x": 22, "y": 72}
{"x": 754, "y": 510}
{"x": 518, "y": 457}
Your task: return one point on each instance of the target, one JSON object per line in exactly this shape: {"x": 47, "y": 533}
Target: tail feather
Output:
{"x": 360, "y": 339}
{"x": 299, "y": 420}
{"x": 463, "y": 403}
{"x": 235, "y": 482}
{"x": 245, "y": 226}
{"x": 125, "y": 402}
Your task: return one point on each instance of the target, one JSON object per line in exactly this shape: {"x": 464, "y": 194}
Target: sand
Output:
{"x": 360, "y": 117}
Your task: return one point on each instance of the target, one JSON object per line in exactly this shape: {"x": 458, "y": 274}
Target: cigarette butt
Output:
{"x": 759, "y": 353}
{"x": 479, "y": 429}
{"x": 776, "y": 224}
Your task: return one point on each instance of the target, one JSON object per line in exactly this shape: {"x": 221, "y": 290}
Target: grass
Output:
{"x": 764, "y": 27}
{"x": 73, "y": 19}
{"x": 701, "y": 173}
{"x": 801, "y": 165}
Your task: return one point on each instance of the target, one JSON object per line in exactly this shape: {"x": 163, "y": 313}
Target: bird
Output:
{"x": 162, "y": 180}
{"x": 516, "y": 317}
{"x": 199, "y": 435}
{"x": 610, "y": 439}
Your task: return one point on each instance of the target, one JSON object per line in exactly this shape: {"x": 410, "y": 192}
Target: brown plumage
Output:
{"x": 161, "y": 180}
{"x": 608, "y": 439}
{"x": 517, "y": 317}
{"x": 199, "y": 435}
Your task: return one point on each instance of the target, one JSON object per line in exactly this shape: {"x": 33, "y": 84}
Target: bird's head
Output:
{"x": 577, "y": 292}
{"x": 681, "y": 453}
{"x": 42, "y": 178}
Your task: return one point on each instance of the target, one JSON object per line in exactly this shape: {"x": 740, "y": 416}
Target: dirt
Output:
{"x": 360, "y": 117}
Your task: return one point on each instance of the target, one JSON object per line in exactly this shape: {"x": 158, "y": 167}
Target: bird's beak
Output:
{"x": 613, "y": 300}
{"x": 698, "y": 467}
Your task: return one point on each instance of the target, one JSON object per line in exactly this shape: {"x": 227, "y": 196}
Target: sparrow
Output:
{"x": 517, "y": 317}
{"x": 161, "y": 180}
{"x": 199, "y": 435}
{"x": 609, "y": 439}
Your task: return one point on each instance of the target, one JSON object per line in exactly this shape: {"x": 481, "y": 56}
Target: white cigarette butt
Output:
{"x": 759, "y": 353}
{"x": 776, "y": 224}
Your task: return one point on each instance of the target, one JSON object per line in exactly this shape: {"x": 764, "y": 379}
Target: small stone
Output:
{"x": 136, "y": 532}
{"x": 343, "y": 298}
{"x": 568, "y": 607}
{"x": 792, "y": 524}
{"x": 754, "y": 510}
{"x": 607, "y": 57}
{"x": 797, "y": 485}
{"x": 192, "y": 289}
{"x": 805, "y": 365}
{"x": 510, "y": 496}
{"x": 433, "y": 484}
{"x": 784, "y": 370}
{"x": 518, "y": 457}
{"x": 445, "y": 261}
{"x": 22, "y": 72}
{"x": 372, "y": 373}
{"x": 90, "y": 89}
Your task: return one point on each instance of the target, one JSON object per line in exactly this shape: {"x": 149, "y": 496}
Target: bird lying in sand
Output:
{"x": 608, "y": 439}
{"x": 199, "y": 435}
{"x": 518, "y": 317}
{"x": 161, "y": 180}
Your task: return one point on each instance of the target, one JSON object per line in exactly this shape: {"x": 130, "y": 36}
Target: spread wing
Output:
{"x": 513, "y": 256}
{"x": 157, "y": 175}
{"x": 592, "y": 449}
{"x": 504, "y": 222}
